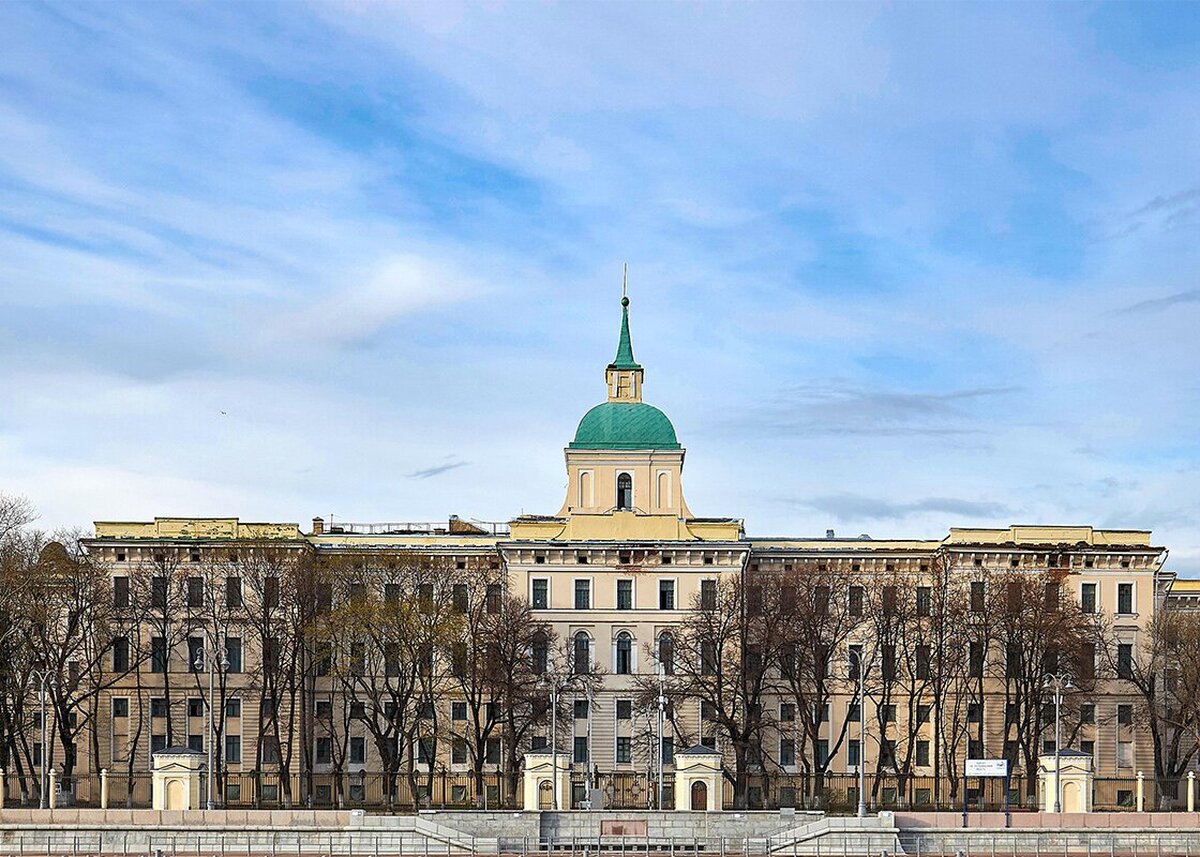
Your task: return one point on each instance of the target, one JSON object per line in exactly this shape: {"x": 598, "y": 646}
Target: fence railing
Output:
{"x": 405, "y": 792}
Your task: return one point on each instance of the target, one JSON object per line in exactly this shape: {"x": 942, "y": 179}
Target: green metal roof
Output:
{"x": 625, "y": 425}
{"x": 624, "y": 358}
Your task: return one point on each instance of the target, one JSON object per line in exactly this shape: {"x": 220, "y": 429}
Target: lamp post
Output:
{"x": 553, "y": 683}
{"x": 662, "y": 710}
{"x": 1058, "y": 683}
{"x": 44, "y": 676}
{"x": 207, "y": 656}
{"x": 862, "y": 737}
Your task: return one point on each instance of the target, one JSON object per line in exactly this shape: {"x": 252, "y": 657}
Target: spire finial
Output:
{"x": 624, "y": 358}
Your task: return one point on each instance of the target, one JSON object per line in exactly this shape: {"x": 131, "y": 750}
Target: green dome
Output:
{"x": 625, "y": 425}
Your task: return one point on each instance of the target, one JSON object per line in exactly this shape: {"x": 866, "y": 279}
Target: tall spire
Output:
{"x": 624, "y": 358}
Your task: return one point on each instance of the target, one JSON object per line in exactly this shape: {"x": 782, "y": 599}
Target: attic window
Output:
{"x": 666, "y": 560}
{"x": 708, "y": 560}
{"x": 460, "y": 565}
{"x": 160, "y": 557}
{"x": 195, "y": 556}
{"x": 233, "y": 557}
{"x": 891, "y": 566}
{"x": 539, "y": 559}
{"x": 581, "y": 559}
{"x": 822, "y": 567}
{"x": 1014, "y": 562}
{"x": 855, "y": 567}
{"x": 120, "y": 556}
{"x": 924, "y": 566}
{"x": 978, "y": 562}
{"x": 1124, "y": 563}
{"x": 1089, "y": 563}
{"x": 624, "y": 558}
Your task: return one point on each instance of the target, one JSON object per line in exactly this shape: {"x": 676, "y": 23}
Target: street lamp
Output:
{"x": 662, "y": 710}
{"x": 206, "y": 657}
{"x": 1058, "y": 683}
{"x": 553, "y": 684}
{"x": 45, "y": 677}
{"x": 862, "y": 737}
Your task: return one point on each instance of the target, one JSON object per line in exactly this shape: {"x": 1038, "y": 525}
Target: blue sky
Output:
{"x": 894, "y": 268}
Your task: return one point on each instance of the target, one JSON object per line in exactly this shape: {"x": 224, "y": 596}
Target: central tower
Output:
{"x": 625, "y": 458}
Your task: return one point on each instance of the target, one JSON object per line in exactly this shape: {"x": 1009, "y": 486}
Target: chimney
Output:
{"x": 829, "y": 534}
{"x": 318, "y": 526}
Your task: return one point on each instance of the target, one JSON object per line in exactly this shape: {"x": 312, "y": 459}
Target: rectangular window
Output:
{"x": 822, "y": 752}
{"x": 922, "y": 666}
{"x": 581, "y": 749}
{"x": 1087, "y": 713}
{"x": 196, "y": 742}
{"x": 666, "y": 595}
{"x": 195, "y": 654}
{"x": 538, "y": 742}
{"x": 158, "y": 592}
{"x": 974, "y": 749}
{"x": 1125, "y": 598}
{"x": 624, "y": 594}
{"x": 624, "y": 750}
{"x": 787, "y": 712}
{"x": 323, "y": 710}
{"x": 459, "y": 598}
{"x": 195, "y": 592}
{"x": 624, "y": 709}
{"x": 1088, "y": 747}
{"x": 233, "y": 749}
{"x": 233, "y": 707}
{"x": 668, "y": 751}
{"x": 924, "y": 600}
{"x": 195, "y": 707}
{"x": 491, "y": 751}
{"x": 856, "y": 600}
{"x": 923, "y": 710}
{"x": 852, "y": 753}
{"x": 233, "y": 592}
{"x": 887, "y": 713}
{"x": 458, "y": 751}
{"x": 1124, "y": 754}
{"x": 856, "y": 656}
{"x": 493, "y": 598}
{"x": 1087, "y": 597}
{"x": 787, "y": 752}
{"x": 271, "y": 592}
{"x": 158, "y": 743}
{"x": 541, "y": 594}
{"x": 708, "y": 595}
{"x": 976, "y": 659}
{"x": 977, "y": 593}
{"x": 458, "y": 711}
{"x": 1125, "y": 714}
{"x": 233, "y": 653}
{"x": 158, "y": 654}
{"x": 922, "y": 752}
{"x": 581, "y": 709}
{"x": 324, "y": 750}
{"x": 121, "y": 592}
{"x": 358, "y": 751}
{"x": 120, "y": 656}
{"x": 1124, "y": 660}
{"x": 583, "y": 594}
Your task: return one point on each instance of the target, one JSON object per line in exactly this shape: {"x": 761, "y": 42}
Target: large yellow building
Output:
{"x": 622, "y": 563}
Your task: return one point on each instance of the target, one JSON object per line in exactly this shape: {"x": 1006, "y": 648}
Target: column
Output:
{"x": 53, "y": 788}
{"x": 104, "y": 788}
{"x": 1141, "y": 792}
{"x": 1191, "y": 787}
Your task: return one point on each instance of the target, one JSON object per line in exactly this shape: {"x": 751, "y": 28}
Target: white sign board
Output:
{"x": 987, "y": 767}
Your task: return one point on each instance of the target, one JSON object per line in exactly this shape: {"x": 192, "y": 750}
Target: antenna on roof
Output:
{"x": 625, "y": 281}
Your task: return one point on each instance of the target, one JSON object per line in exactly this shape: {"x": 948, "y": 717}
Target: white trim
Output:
{"x": 674, "y": 581}
{"x": 1133, "y": 600}
{"x": 632, "y": 592}
{"x": 591, "y": 582}
{"x": 549, "y": 593}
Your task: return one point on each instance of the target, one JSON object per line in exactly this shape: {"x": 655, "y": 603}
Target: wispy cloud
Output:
{"x": 1155, "y": 304}
{"x": 856, "y": 507}
{"x": 845, "y": 409}
{"x": 436, "y": 470}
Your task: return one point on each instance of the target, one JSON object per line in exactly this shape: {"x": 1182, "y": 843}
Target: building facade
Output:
{"x": 619, "y": 574}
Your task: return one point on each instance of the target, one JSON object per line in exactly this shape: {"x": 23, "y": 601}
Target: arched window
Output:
{"x": 666, "y": 652}
{"x": 581, "y": 660}
{"x": 624, "y": 653}
{"x": 624, "y": 492}
{"x": 541, "y": 653}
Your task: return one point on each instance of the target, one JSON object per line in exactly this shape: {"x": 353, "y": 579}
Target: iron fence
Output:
{"x": 405, "y": 792}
